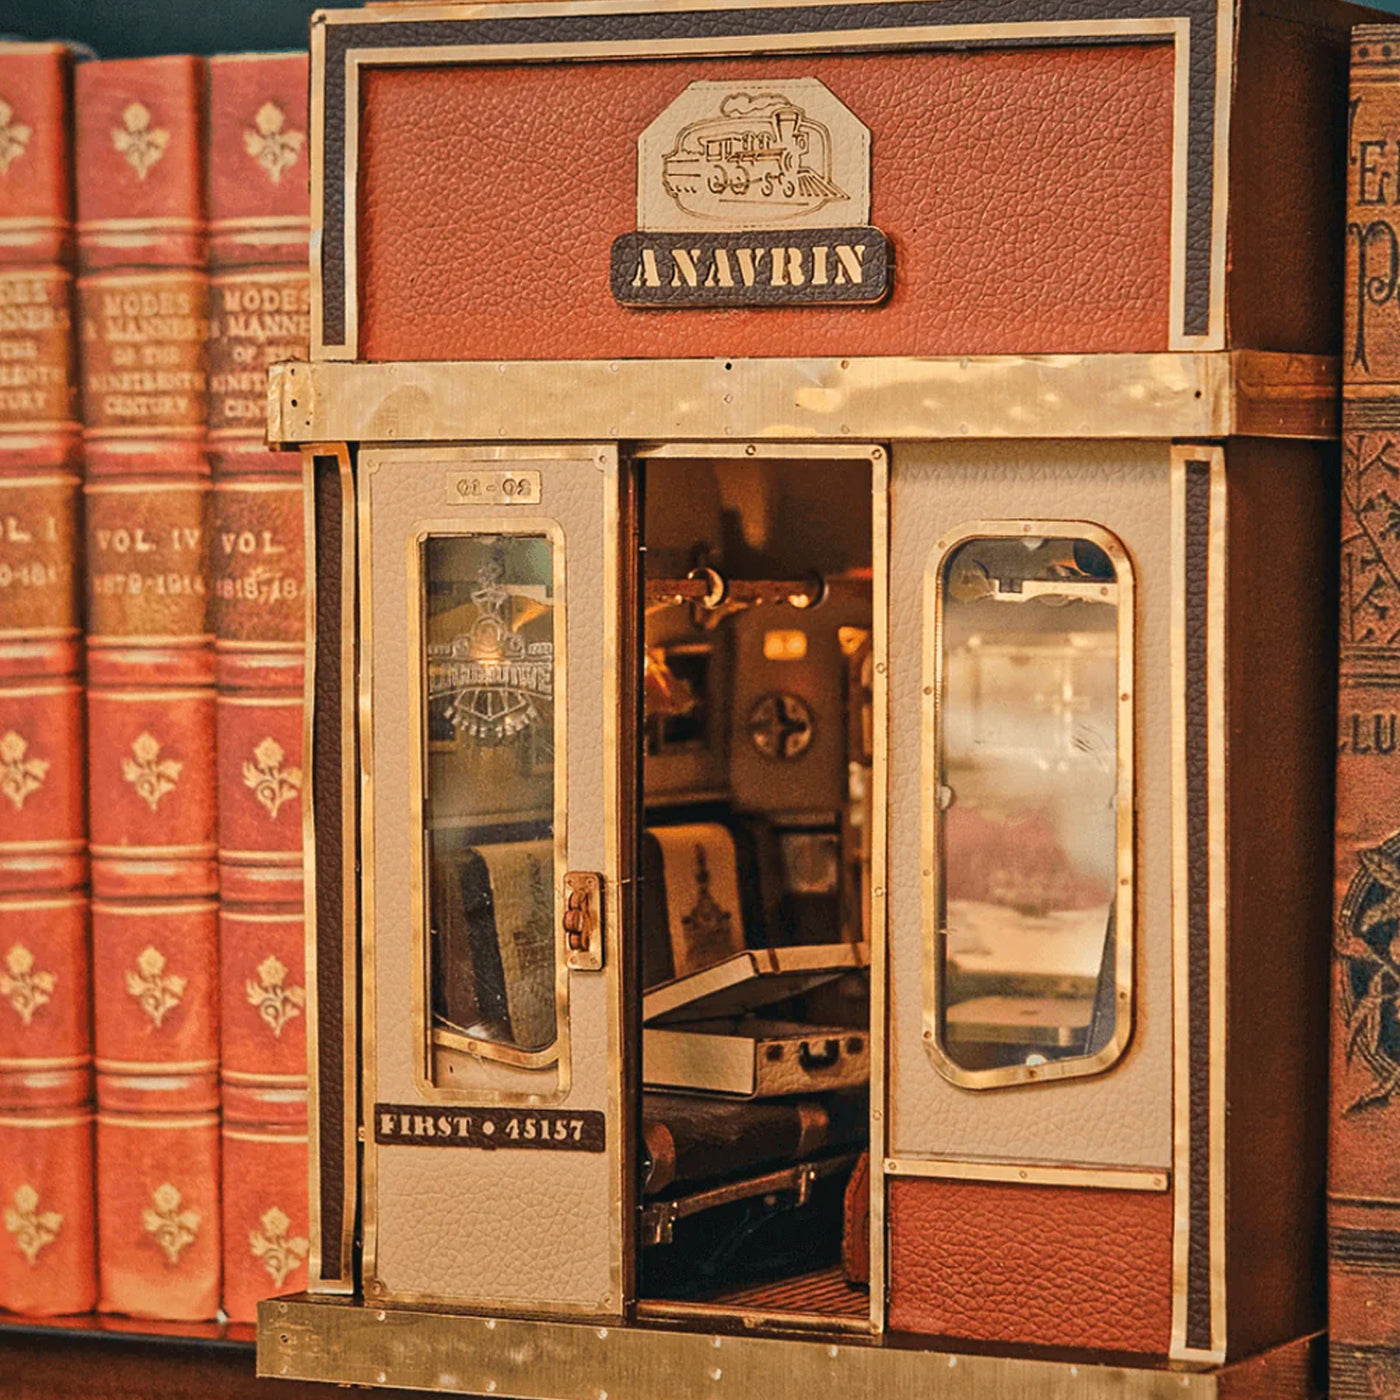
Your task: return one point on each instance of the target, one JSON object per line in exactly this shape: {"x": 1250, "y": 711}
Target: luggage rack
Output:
{"x": 659, "y": 1219}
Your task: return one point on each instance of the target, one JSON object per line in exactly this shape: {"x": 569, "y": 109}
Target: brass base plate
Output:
{"x": 348, "y": 1343}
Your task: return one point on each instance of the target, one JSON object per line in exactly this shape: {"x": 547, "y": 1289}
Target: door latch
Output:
{"x": 583, "y": 920}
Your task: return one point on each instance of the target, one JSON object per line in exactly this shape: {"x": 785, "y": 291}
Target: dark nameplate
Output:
{"x": 544, "y": 1129}
{"x": 796, "y": 267}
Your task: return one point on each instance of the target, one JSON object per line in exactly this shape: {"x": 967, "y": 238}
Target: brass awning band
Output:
{"x": 1162, "y": 396}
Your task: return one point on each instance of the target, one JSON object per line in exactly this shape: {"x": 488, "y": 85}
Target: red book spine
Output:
{"x": 47, "y": 1248}
{"x": 260, "y": 313}
{"x": 143, "y": 313}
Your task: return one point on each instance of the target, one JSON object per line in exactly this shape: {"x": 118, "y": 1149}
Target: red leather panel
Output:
{"x": 1027, "y": 193}
{"x": 1040, "y": 1265}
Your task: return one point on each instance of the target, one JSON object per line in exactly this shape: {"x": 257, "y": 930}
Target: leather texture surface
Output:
{"x": 48, "y": 1259}
{"x": 1039, "y": 1265}
{"x": 158, "y": 1215}
{"x": 1122, "y": 1117}
{"x": 509, "y": 1230}
{"x": 46, "y": 1177}
{"x": 256, "y": 164}
{"x": 855, "y": 1233}
{"x": 36, "y": 82}
{"x": 264, "y": 1200}
{"x": 1027, "y": 194}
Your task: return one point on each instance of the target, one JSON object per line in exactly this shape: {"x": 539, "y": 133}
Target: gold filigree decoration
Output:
{"x": 150, "y": 774}
{"x": 155, "y": 992}
{"x": 25, "y": 989}
{"x": 277, "y": 1003}
{"x": 32, "y": 1228}
{"x": 14, "y": 137}
{"x": 140, "y": 142}
{"x": 280, "y": 1253}
{"x": 172, "y": 1227}
{"x": 271, "y": 783}
{"x": 20, "y": 775}
{"x": 273, "y": 148}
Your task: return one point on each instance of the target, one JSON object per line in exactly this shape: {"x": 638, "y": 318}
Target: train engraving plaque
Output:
{"x": 753, "y": 194}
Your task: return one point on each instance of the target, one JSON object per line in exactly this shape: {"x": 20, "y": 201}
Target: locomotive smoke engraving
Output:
{"x": 763, "y": 155}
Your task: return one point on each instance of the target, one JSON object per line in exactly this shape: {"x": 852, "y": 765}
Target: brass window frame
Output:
{"x": 931, "y": 817}
{"x": 425, "y": 1035}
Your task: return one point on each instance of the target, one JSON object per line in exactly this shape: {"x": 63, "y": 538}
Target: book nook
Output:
{"x": 743, "y": 796}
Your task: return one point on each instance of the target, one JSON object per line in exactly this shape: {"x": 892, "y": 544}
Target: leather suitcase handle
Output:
{"x": 824, "y": 1058}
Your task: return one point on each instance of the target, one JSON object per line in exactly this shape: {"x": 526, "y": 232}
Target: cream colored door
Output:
{"x": 489, "y": 697}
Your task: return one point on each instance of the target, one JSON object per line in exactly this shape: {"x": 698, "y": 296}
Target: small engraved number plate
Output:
{"x": 544, "y": 1129}
{"x": 520, "y": 488}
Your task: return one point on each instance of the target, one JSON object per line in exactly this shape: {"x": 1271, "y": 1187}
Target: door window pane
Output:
{"x": 1032, "y": 804}
{"x": 490, "y": 614}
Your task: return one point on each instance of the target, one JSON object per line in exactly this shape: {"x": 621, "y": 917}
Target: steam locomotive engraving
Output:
{"x": 762, "y": 152}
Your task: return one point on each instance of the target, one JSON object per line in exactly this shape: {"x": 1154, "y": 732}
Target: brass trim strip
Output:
{"x": 418, "y": 1348}
{"x": 1098, "y": 1178}
{"x": 1193, "y": 395}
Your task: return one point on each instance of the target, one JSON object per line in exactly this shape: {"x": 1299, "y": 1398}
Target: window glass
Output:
{"x": 1032, "y": 805}
{"x": 489, "y": 790}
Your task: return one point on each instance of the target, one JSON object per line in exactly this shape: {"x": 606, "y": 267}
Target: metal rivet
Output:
{"x": 490, "y": 1324}
{"x": 381, "y": 1377}
{"x": 715, "y": 1373}
{"x": 952, "y": 1363}
{"x": 603, "y": 1333}
{"x": 490, "y": 1387}
{"x": 751, "y": 451}
{"x": 717, "y": 1343}
{"x": 832, "y": 1352}
{"x": 381, "y": 1316}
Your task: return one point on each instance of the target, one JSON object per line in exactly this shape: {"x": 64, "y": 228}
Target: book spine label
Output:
{"x": 143, "y": 320}
{"x": 48, "y": 1245}
{"x": 1364, "y": 1166}
{"x": 259, "y": 314}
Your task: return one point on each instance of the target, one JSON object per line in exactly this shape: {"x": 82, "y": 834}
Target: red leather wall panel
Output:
{"x": 1027, "y": 193}
{"x": 1041, "y": 1265}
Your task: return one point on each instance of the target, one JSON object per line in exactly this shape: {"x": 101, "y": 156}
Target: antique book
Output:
{"x": 143, "y": 307}
{"x": 259, "y": 283}
{"x": 1364, "y": 1169}
{"x": 47, "y": 1259}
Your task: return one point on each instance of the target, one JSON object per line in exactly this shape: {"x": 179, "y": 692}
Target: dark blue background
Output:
{"x": 127, "y": 28}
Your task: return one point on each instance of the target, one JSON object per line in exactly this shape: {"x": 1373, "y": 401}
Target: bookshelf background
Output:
{"x": 119, "y": 1358}
{"x": 136, "y": 28}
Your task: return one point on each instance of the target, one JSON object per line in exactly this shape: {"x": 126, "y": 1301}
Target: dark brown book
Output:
{"x": 1364, "y": 1173}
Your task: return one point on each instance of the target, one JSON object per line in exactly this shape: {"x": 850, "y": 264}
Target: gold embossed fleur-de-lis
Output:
{"x": 32, "y": 1228}
{"x": 277, "y": 1003}
{"x": 19, "y": 773}
{"x": 273, "y": 147}
{"x": 280, "y": 1253}
{"x": 156, "y": 992}
{"x": 151, "y": 775}
{"x": 24, "y": 988}
{"x": 141, "y": 143}
{"x": 14, "y": 136}
{"x": 271, "y": 783}
{"x": 171, "y": 1227}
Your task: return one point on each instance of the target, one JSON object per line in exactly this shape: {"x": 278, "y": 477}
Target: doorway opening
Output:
{"x": 755, "y": 883}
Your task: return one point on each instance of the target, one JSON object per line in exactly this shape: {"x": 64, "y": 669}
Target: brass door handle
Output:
{"x": 583, "y": 920}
